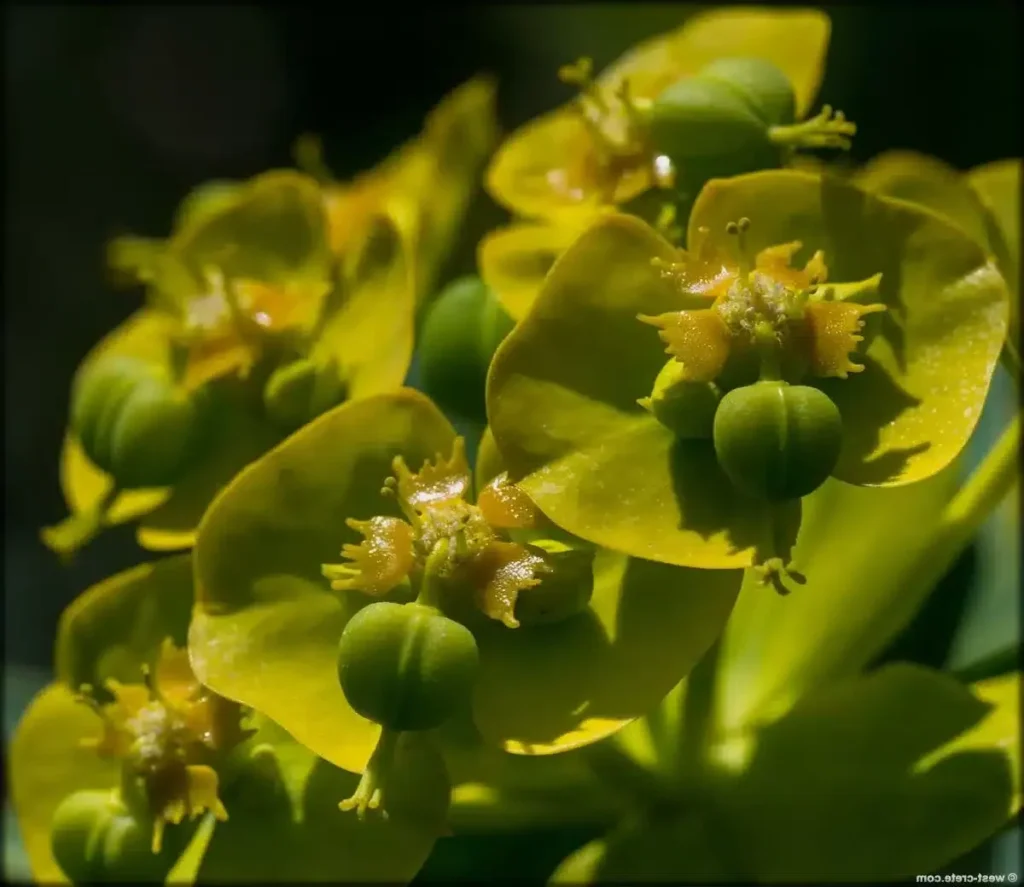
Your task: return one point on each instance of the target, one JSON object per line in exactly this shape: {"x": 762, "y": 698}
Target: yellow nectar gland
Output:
{"x": 617, "y": 125}
{"x": 167, "y": 732}
{"x": 440, "y": 518}
{"x": 785, "y": 316}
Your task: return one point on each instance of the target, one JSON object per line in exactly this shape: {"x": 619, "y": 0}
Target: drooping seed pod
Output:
{"x": 777, "y": 441}
{"x": 134, "y": 423}
{"x": 405, "y": 666}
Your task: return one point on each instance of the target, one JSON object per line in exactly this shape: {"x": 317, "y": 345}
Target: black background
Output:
{"x": 113, "y": 113}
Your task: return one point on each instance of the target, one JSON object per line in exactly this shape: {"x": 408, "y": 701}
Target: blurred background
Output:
{"x": 114, "y": 113}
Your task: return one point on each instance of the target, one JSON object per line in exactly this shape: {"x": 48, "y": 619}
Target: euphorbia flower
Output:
{"x": 164, "y": 732}
{"x": 281, "y": 269}
{"x": 434, "y": 502}
{"x": 564, "y": 387}
{"x": 165, "y": 749}
{"x": 592, "y": 154}
{"x": 267, "y": 623}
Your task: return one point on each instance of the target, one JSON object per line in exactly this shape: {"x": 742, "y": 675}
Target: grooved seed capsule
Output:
{"x": 704, "y": 117}
{"x": 134, "y": 423}
{"x": 765, "y": 87}
{"x": 777, "y": 441}
{"x": 94, "y": 838}
{"x": 405, "y": 666}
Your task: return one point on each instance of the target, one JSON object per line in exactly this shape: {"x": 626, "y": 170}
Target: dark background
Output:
{"x": 114, "y": 113}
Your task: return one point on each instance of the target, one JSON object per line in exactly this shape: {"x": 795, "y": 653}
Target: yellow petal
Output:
{"x": 46, "y": 762}
{"x": 794, "y": 40}
{"x": 550, "y": 167}
{"x": 514, "y": 260}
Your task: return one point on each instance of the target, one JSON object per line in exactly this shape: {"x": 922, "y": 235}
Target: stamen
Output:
{"x": 743, "y": 258}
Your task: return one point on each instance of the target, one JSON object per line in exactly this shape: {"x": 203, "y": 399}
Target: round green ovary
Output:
{"x": 405, "y": 666}
{"x": 461, "y": 332}
{"x": 765, "y": 87}
{"x": 686, "y": 408}
{"x": 133, "y": 423}
{"x": 777, "y": 441}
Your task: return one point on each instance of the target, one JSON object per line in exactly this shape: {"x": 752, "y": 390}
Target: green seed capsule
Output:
{"x": 686, "y": 408}
{"x": 462, "y": 330}
{"x": 298, "y": 392}
{"x": 94, "y": 838}
{"x": 706, "y": 117}
{"x": 765, "y": 87}
{"x": 777, "y": 441}
{"x": 405, "y": 666}
{"x": 134, "y": 423}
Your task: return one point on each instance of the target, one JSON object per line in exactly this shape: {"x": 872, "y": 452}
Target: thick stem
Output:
{"x": 429, "y": 594}
{"x": 967, "y": 511}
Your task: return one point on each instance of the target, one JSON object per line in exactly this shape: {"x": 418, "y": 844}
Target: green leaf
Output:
{"x": 929, "y": 182}
{"x": 563, "y": 386}
{"x": 856, "y": 546}
{"x": 272, "y": 229}
{"x": 46, "y": 762}
{"x": 369, "y": 334}
{"x": 284, "y": 823}
{"x": 116, "y": 626}
{"x": 998, "y": 184}
{"x": 666, "y": 849}
{"x": 879, "y": 778}
{"x": 267, "y": 626}
{"x": 929, "y": 367}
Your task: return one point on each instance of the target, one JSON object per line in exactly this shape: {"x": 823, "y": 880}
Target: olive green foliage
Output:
{"x": 718, "y": 399}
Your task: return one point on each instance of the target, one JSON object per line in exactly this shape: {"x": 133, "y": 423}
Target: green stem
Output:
{"x": 698, "y": 714}
{"x": 969, "y": 508}
{"x": 429, "y": 594}
{"x": 618, "y": 770}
